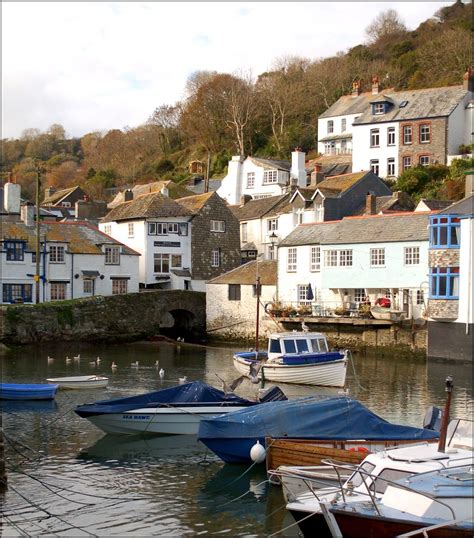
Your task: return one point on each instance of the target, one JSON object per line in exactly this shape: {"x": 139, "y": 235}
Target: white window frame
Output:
{"x": 374, "y": 138}
{"x": 108, "y": 229}
{"x": 215, "y": 257}
{"x": 330, "y": 258}
{"x": 407, "y": 135}
{"x": 88, "y": 285}
{"x": 315, "y": 265}
{"x": 131, "y": 229}
{"x": 391, "y": 136}
{"x": 119, "y": 286}
{"x": 345, "y": 258}
{"x": 173, "y": 228}
{"x": 302, "y": 290}
{"x": 379, "y": 108}
{"x": 244, "y": 232}
{"x": 160, "y": 260}
{"x": 375, "y": 166}
{"x": 176, "y": 261}
{"x": 377, "y": 257}
{"x": 250, "y": 180}
{"x": 425, "y": 133}
{"x": 161, "y": 228}
{"x": 218, "y": 226}
{"x": 343, "y": 125}
{"x": 412, "y": 255}
{"x": 330, "y": 147}
{"x": 330, "y": 126}
{"x": 406, "y": 162}
{"x": 424, "y": 160}
{"x": 292, "y": 260}
{"x": 58, "y": 291}
{"x": 57, "y": 254}
{"x": 391, "y": 166}
{"x": 272, "y": 225}
{"x": 359, "y": 295}
{"x": 112, "y": 255}
{"x": 270, "y": 177}
{"x": 420, "y": 297}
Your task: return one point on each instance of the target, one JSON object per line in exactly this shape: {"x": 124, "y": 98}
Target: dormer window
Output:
{"x": 112, "y": 255}
{"x": 270, "y": 176}
{"x": 378, "y": 108}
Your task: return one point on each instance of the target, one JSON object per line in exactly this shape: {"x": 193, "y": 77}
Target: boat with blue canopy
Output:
{"x": 171, "y": 411}
{"x": 231, "y": 437}
{"x": 19, "y": 391}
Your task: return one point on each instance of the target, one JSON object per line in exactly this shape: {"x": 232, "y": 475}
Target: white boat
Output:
{"x": 296, "y": 357}
{"x": 173, "y": 411}
{"x": 381, "y": 312}
{"x": 80, "y": 382}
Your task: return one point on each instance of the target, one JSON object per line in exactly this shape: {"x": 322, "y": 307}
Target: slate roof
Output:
{"x": 59, "y": 195}
{"x": 255, "y": 209}
{"x": 308, "y": 234}
{"x": 463, "y": 207}
{"x": 332, "y": 165}
{"x": 379, "y": 229}
{"x": 425, "y": 103}
{"x": 82, "y": 237}
{"x": 198, "y": 188}
{"x": 153, "y": 205}
{"x": 333, "y": 186}
{"x": 271, "y": 163}
{"x": 342, "y": 136}
{"x": 390, "y": 203}
{"x": 436, "y": 205}
{"x": 175, "y": 191}
{"x": 195, "y": 203}
{"x": 347, "y": 104}
{"x": 247, "y": 274}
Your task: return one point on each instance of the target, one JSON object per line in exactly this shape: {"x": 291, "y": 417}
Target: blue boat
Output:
{"x": 232, "y": 436}
{"x": 173, "y": 411}
{"x": 17, "y": 391}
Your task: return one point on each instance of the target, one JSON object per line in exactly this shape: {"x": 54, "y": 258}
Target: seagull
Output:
{"x": 68, "y": 360}
{"x": 161, "y": 373}
{"x": 50, "y": 359}
{"x": 254, "y": 369}
{"x": 178, "y": 339}
{"x": 114, "y": 366}
{"x": 304, "y": 327}
{"x": 77, "y": 357}
{"x": 134, "y": 364}
{"x": 92, "y": 363}
{"x": 182, "y": 380}
{"x": 229, "y": 388}
{"x": 98, "y": 360}
{"x": 157, "y": 363}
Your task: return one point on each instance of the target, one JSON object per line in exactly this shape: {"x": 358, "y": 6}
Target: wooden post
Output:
{"x": 445, "y": 418}
{"x": 206, "y": 183}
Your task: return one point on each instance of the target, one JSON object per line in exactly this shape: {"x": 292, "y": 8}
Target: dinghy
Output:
{"x": 80, "y": 382}
{"x": 18, "y": 391}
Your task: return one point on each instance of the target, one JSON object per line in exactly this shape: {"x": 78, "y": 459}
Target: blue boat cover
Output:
{"x": 196, "y": 392}
{"x": 308, "y": 418}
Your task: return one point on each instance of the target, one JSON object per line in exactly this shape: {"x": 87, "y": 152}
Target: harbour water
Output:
{"x": 67, "y": 478}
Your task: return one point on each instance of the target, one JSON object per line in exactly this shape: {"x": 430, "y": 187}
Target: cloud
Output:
{"x": 102, "y": 65}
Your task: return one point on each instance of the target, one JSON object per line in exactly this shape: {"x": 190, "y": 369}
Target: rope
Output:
{"x": 349, "y": 352}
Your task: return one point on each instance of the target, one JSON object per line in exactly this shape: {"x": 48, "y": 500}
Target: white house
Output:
{"x": 260, "y": 178}
{"x": 76, "y": 260}
{"x": 356, "y": 258}
{"x": 183, "y": 243}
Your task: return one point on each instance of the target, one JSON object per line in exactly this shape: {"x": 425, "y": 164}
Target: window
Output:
{"x": 119, "y": 286}
{"x": 176, "y": 260}
{"x": 412, "y": 255}
{"x": 58, "y": 291}
{"x": 444, "y": 282}
{"x": 87, "y": 285}
{"x": 343, "y": 125}
{"x": 108, "y": 229}
{"x": 388, "y": 474}
{"x": 292, "y": 257}
{"x": 161, "y": 228}
{"x": 407, "y": 134}
{"x": 173, "y": 227}
{"x": 391, "y": 136}
{"x": 343, "y": 146}
{"x": 234, "y": 292}
{"x": 183, "y": 228}
{"x": 424, "y": 160}
{"x": 152, "y": 228}
{"x": 303, "y": 294}
{"x": 270, "y": 176}
{"x": 17, "y": 293}
{"x": 420, "y": 297}
{"x": 131, "y": 229}
{"x": 315, "y": 259}
{"x": 377, "y": 257}
{"x": 330, "y": 258}
{"x": 444, "y": 232}
{"x": 330, "y": 126}
{"x": 271, "y": 252}
{"x": 255, "y": 290}
{"x": 359, "y": 295}
{"x": 216, "y": 258}
{"x": 406, "y": 163}
{"x": 379, "y": 108}
{"x": 391, "y": 167}
{"x": 112, "y": 255}
{"x": 250, "y": 180}
{"x": 330, "y": 147}
{"x": 243, "y": 232}
{"x": 345, "y": 258}
{"x": 272, "y": 225}
{"x": 217, "y": 225}
{"x": 374, "y": 166}
{"x": 56, "y": 254}
{"x": 425, "y": 133}
{"x": 374, "y": 138}
{"x": 161, "y": 263}
{"x": 15, "y": 250}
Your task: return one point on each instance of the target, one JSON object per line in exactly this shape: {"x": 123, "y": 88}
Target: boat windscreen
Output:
{"x": 290, "y": 346}
{"x": 274, "y": 346}
{"x": 302, "y": 346}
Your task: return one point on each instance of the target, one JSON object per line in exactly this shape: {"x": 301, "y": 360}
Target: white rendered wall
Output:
{"x": 323, "y": 129}
{"x": 466, "y": 287}
{"x": 457, "y": 127}
{"x": 362, "y": 153}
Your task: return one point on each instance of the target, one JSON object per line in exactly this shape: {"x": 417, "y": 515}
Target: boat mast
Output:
{"x": 257, "y": 293}
{"x": 445, "y": 418}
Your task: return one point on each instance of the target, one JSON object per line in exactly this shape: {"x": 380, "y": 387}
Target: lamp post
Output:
{"x": 273, "y": 241}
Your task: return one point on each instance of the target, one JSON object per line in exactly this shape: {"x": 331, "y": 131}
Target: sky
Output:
{"x": 96, "y": 66}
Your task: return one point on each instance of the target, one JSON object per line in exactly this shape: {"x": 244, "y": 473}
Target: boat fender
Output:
{"x": 359, "y": 449}
{"x": 257, "y": 453}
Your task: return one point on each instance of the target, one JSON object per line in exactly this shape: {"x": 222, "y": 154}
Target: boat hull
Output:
{"x": 80, "y": 382}
{"x": 14, "y": 391}
{"x": 158, "y": 421}
{"x": 327, "y": 374}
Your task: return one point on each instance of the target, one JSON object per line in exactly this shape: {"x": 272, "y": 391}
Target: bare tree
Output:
{"x": 386, "y": 23}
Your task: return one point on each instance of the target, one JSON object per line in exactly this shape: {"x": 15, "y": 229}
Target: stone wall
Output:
{"x": 443, "y": 308}
{"x": 108, "y": 319}
{"x": 436, "y": 149}
{"x": 448, "y": 257}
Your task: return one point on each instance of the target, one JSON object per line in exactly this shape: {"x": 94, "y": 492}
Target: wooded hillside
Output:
{"x": 226, "y": 114}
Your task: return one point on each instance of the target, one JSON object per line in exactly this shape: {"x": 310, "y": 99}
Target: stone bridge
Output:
{"x": 129, "y": 317}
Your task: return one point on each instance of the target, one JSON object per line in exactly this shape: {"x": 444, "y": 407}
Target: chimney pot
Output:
{"x": 370, "y": 204}
{"x": 375, "y": 85}
{"x": 355, "y": 88}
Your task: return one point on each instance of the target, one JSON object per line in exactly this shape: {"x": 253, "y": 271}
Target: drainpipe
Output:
{"x": 72, "y": 275}
{"x": 469, "y": 278}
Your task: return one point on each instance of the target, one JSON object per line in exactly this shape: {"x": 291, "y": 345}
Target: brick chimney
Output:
{"x": 128, "y": 195}
{"x": 317, "y": 175}
{"x": 244, "y": 199}
{"x": 375, "y": 85}
{"x": 370, "y": 204}
{"x": 28, "y": 214}
{"x": 12, "y": 197}
{"x": 468, "y": 80}
{"x": 298, "y": 170}
{"x": 356, "y": 88}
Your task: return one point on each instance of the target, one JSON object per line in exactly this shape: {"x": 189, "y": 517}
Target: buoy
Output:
{"x": 257, "y": 453}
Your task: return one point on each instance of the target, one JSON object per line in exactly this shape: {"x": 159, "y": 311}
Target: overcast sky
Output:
{"x": 97, "y": 65}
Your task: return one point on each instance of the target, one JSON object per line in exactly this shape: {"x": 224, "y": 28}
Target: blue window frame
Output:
{"x": 15, "y": 250}
{"x": 444, "y": 283}
{"x": 444, "y": 232}
{"x": 17, "y": 293}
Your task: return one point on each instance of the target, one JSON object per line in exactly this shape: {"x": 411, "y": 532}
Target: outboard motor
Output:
{"x": 432, "y": 420}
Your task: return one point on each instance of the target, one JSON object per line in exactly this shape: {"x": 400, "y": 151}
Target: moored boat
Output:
{"x": 80, "y": 382}
{"x": 295, "y": 357}
{"x": 381, "y": 312}
{"x": 173, "y": 411}
{"x": 19, "y": 391}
